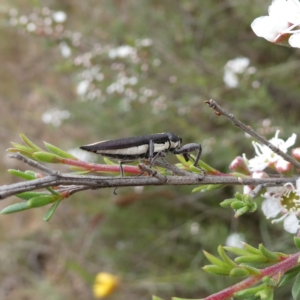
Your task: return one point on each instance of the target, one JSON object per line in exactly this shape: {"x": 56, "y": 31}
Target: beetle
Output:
{"x": 151, "y": 146}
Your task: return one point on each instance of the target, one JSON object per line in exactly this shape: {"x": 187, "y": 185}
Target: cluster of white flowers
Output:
{"x": 234, "y": 68}
{"x": 284, "y": 200}
{"x": 55, "y": 116}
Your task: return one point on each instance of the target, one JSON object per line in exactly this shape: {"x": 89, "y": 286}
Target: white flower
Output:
{"x": 121, "y": 52}
{"x": 65, "y": 50}
{"x": 265, "y": 157}
{"x": 234, "y": 240}
{"x": 55, "y": 116}
{"x": 233, "y": 67}
{"x": 282, "y": 23}
{"x": 59, "y": 16}
{"x": 284, "y": 200}
{"x": 83, "y": 86}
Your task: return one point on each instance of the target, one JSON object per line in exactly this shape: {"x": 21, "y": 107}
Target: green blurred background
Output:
{"x": 122, "y": 68}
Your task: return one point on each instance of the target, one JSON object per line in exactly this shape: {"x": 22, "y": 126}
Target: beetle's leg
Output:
{"x": 151, "y": 150}
{"x": 151, "y": 155}
{"x": 157, "y": 155}
{"x": 121, "y": 168}
{"x": 186, "y": 149}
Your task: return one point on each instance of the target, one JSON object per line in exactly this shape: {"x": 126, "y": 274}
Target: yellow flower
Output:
{"x": 105, "y": 284}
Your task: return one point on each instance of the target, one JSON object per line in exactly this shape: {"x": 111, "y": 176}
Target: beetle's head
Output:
{"x": 175, "y": 141}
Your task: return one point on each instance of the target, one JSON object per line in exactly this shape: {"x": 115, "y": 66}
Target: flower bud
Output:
{"x": 239, "y": 165}
{"x": 296, "y": 153}
{"x": 282, "y": 166}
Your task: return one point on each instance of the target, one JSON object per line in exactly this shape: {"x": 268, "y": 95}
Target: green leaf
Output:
{"x": 236, "y": 251}
{"x": 247, "y": 293}
{"x": 216, "y": 270}
{"x": 251, "y": 270}
{"x": 238, "y": 272}
{"x": 290, "y": 275}
{"x": 214, "y": 260}
{"x": 267, "y": 253}
{"x": 207, "y": 187}
{"x": 251, "y": 258}
{"x": 30, "y": 173}
{"x": 42, "y": 200}
{"x": 241, "y": 211}
{"x": 296, "y": 287}
{"x": 266, "y": 294}
{"x": 25, "y": 153}
{"x": 251, "y": 249}
{"x": 297, "y": 242}
{"x": 237, "y": 204}
{"x": 51, "y": 211}
{"x": 47, "y": 157}
{"x": 15, "y": 208}
{"x": 156, "y": 298}
{"x": 182, "y": 160}
{"x": 21, "y": 174}
{"x": 29, "y": 143}
{"x": 29, "y": 195}
{"x": 227, "y": 202}
{"x": 225, "y": 257}
{"x": 59, "y": 151}
{"x": 108, "y": 161}
{"x": 23, "y": 148}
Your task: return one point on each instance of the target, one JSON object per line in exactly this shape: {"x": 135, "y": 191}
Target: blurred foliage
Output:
{"x": 151, "y": 240}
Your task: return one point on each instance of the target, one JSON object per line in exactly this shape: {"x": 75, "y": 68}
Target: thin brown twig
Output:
{"x": 33, "y": 163}
{"x": 220, "y": 111}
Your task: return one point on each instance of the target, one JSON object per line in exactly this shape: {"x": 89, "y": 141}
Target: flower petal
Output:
{"x": 271, "y": 207}
{"x": 291, "y": 223}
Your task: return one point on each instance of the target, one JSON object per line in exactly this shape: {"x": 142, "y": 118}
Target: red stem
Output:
{"x": 100, "y": 167}
{"x": 285, "y": 265}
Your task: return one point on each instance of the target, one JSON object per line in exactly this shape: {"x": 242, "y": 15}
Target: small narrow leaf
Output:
{"x": 238, "y": 272}
{"x": 194, "y": 169}
{"x": 29, "y": 195}
{"x": 225, "y": 257}
{"x": 208, "y": 187}
{"x": 21, "y": 174}
{"x": 59, "y": 152}
{"x": 297, "y": 242}
{"x": 47, "y": 157}
{"x": 108, "y": 161}
{"x": 267, "y": 253}
{"x": 41, "y": 200}
{"x": 25, "y": 153}
{"x": 29, "y": 143}
{"x": 251, "y": 259}
{"x": 296, "y": 287}
{"x": 182, "y": 159}
{"x": 227, "y": 202}
{"x": 266, "y": 293}
{"x": 247, "y": 293}
{"x": 290, "y": 275}
{"x": 251, "y": 270}
{"x": 30, "y": 173}
{"x": 23, "y": 148}
{"x": 51, "y": 211}
{"x": 251, "y": 249}
{"x": 237, "y": 204}
{"x": 216, "y": 270}
{"x": 15, "y": 208}
{"x": 214, "y": 260}
{"x": 241, "y": 211}
{"x": 236, "y": 251}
